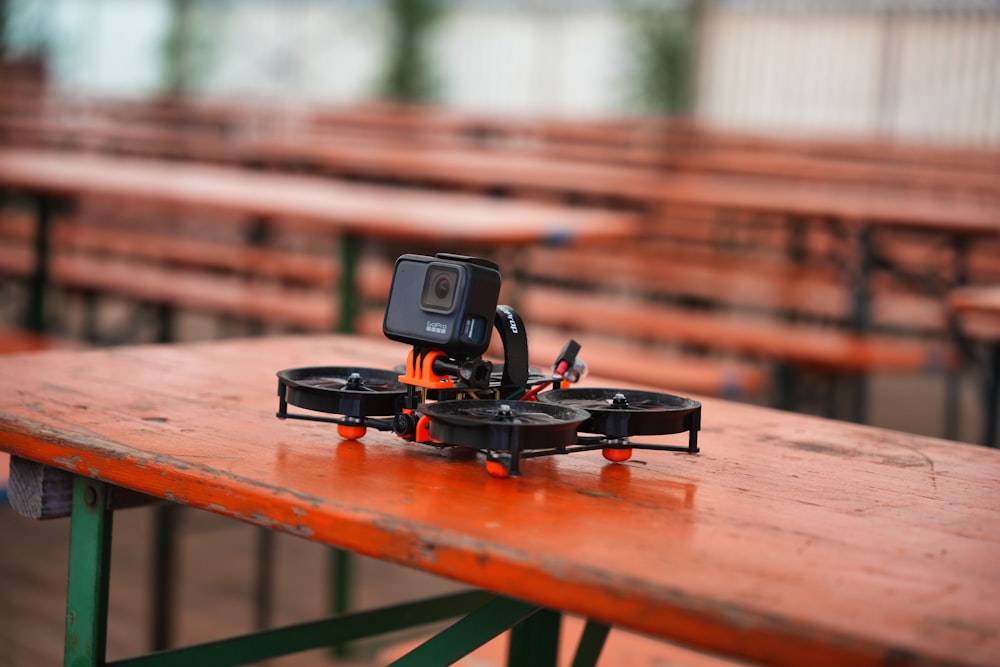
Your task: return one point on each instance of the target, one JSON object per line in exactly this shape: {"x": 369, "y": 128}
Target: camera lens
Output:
{"x": 442, "y": 287}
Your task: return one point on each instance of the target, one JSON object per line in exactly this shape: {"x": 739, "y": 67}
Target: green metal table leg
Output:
{"x": 253, "y": 648}
{"x": 89, "y": 566}
{"x": 991, "y": 394}
{"x": 341, "y": 571}
{"x": 861, "y": 315}
{"x": 40, "y": 277}
{"x": 591, "y": 644}
{"x": 350, "y": 248}
{"x": 264, "y": 579}
{"x": 953, "y": 380}
{"x": 535, "y": 641}
{"x": 468, "y": 634}
{"x": 163, "y": 573}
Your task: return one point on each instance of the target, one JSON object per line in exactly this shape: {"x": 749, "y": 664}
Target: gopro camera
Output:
{"x": 446, "y": 302}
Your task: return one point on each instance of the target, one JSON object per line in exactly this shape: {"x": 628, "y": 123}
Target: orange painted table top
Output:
{"x": 311, "y": 202}
{"x": 789, "y": 540}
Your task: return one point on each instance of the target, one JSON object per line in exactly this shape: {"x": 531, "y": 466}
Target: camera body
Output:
{"x": 446, "y": 302}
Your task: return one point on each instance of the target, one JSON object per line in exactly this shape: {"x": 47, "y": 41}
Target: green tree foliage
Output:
{"x": 184, "y": 49}
{"x": 408, "y": 75}
{"x": 4, "y": 10}
{"x": 664, "y": 38}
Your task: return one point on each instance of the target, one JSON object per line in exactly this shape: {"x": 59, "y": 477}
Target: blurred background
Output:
{"x": 922, "y": 70}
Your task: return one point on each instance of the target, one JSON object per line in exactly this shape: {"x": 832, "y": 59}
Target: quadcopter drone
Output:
{"x": 447, "y": 395}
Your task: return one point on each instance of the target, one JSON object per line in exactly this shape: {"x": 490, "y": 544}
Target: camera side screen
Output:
{"x": 440, "y": 288}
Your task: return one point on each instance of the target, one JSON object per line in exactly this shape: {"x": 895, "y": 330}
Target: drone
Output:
{"x": 446, "y": 394}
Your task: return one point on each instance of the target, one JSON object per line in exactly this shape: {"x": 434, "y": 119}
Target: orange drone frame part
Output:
{"x": 420, "y": 370}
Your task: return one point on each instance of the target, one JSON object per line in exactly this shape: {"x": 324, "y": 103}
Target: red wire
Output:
{"x": 528, "y": 395}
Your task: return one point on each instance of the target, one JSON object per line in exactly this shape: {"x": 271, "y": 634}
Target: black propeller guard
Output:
{"x": 343, "y": 390}
{"x": 620, "y": 413}
{"x": 503, "y": 426}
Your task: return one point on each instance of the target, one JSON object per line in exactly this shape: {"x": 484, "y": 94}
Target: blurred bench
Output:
{"x": 643, "y": 302}
{"x": 291, "y": 290}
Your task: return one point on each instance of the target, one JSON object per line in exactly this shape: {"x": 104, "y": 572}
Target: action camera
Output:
{"x": 446, "y": 302}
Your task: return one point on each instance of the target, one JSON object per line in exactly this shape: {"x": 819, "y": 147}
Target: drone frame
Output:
{"x": 431, "y": 379}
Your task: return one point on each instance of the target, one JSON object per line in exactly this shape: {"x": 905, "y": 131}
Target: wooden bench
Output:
{"x": 288, "y": 289}
{"x": 705, "y": 277}
{"x": 295, "y": 290}
{"x": 641, "y": 303}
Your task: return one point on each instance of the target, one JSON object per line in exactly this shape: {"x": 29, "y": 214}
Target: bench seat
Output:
{"x": 763, "y": 284}
{"x": 806, "y": 345}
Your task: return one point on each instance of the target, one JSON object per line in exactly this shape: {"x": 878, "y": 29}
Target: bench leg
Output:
{"x": 591, "y": 644}
{"x": 534, "y": 642}
{"x": 163, "y": 577}
{"x": 264, "y": 584}
{"x": 350, "y": 248}
{"x": 40, "y": 275}
{"x": 991, "y": 395}
{"x": 341, "y": 565}
{"x": 89, "y": 570}
{"x": 469, "y": 633}
{"x": 859, "y": 398}
{"x": 165, "y": 316}
{"x": 785, "y": 382}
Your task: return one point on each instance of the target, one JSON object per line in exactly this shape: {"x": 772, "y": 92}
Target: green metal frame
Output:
{"x": 535, "y": 642}
{"x": 89, "y": 570}
{"x": 591, "y": 644}
{"x": 469, "y": 633}
{"x": 39, "y": 283}
{"x": 534, "y": 636}
{"x": 350, "y": 249}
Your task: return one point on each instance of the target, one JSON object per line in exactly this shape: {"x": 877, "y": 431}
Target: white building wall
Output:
{"x": 929, "y": 76}
{"x": 948, "y": 80}
{"x": 532, "y": 62}
{"x": 791, "y": 73}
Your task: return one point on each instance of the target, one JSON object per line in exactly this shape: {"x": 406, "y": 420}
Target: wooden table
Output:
{"x": 314, "y": 204}
{"x": 789, "y": 540}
